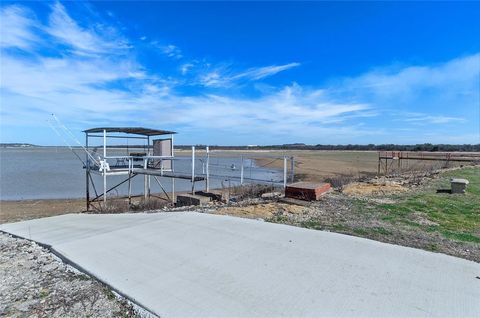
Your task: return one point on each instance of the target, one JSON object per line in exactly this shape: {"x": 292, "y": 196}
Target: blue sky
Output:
{"x": 243, "y": 72}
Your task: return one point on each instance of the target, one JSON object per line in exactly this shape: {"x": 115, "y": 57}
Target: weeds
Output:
{"x": 120, "y": 205}
{"x": 339, "y": 182}
{"x": 151, "y": 204}
{"x": 249, "y": 191}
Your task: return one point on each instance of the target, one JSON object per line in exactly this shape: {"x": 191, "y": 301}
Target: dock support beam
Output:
{"x": 173, "y": 170}
{"x": 87, "y": 173}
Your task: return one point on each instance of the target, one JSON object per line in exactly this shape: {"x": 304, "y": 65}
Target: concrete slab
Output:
{"x": 189, "y": 264}
{"x": 192, "y": 199}
{"x": 308, "y": 191}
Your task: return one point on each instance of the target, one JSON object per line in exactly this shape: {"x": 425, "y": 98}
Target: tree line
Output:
{"x": 372, "y": 147}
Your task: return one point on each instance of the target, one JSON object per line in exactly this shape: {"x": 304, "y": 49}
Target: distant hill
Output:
{"x": 16, "y": 145}
{"x": 371, "y": 147}
{"x": 295, "y": 146}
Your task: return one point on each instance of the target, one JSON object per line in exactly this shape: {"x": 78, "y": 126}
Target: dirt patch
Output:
{"x": 262, "y": 211}
{"x": 368, "y": 189}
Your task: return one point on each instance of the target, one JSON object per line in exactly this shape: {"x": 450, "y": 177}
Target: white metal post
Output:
{"x": 145, "y": 190}
{"x": 130, "y": 168}
{"x": 104, "y": 167}
{"x": 193, "y": 169}
{"x": 146, "y": 166}
{"x": 241, "y": 171}
{"x": 104, "y": 144}
{"x": 149, "y": 177}
{"x": 284, "y": 172}
{"x": 207, "y": 180}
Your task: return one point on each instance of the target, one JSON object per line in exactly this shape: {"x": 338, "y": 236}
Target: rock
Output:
{"x": 49, "y": 267}
{"x": 26, "y": 305}
{"x": 458, "y": 185}
{"x": 271, "y": 195}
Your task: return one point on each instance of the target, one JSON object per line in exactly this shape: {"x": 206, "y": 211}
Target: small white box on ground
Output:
{"x": 458, "y": 185}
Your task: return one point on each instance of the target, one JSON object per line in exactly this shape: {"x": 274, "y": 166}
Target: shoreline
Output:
{"x": 27, "y": 209}
{"x": 20, "y": 210}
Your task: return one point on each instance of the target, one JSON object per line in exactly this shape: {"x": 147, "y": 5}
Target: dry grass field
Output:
{"x": 309, "y": 164}
{"x": 319, "y": 165}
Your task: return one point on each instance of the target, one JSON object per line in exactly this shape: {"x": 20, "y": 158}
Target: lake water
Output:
{"x": 55, "y": 173}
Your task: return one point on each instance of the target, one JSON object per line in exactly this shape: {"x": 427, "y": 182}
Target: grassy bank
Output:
{"x": 454, "y": 216}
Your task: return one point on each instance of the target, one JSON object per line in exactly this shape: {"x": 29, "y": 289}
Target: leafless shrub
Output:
{"x": 300, "y": 177}
{"x": 150, "y": 204}
{"x": 250, "y": 191}
{"x": 339, "y": 182}
{"x": 120, "y": 205}
{"x": 113, "y": 205}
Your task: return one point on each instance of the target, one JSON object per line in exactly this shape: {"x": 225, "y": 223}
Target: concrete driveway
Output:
{"x": 191, "y": 264}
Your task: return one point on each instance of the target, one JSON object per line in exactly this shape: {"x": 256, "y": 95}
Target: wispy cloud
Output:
{"x": 224, "y": 77}
{"x": 92, "y": 40}
{"x": 266, "y": 71}
{"x": 185, "y": 68}
{"x": 431, "y": 119}
{"x": 16, "y": 26}
{"x": 169, "y": 50}
{"x": 172, "y": 51}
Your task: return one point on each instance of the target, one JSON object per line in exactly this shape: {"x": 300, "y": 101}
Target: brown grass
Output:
{"x": 12, "y": 211}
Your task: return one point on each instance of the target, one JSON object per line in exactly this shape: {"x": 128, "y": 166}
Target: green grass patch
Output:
{"x": 312, "y": 224}
{"x": 457, "y": 215}
{"x": 278, "y": 219}
{"x": 318, "y": 225}
{"x": 466, "y": 237}
{"x": 372, "y": 231}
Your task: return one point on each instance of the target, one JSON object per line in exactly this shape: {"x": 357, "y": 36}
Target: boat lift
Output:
{"x": 157, "y": 160}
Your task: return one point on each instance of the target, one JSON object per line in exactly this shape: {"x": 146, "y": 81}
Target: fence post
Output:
{"x": 241, "y": 170}
{"x": 193, "y": 169}
{"x": 284, "y": 172}
{"x": 292, "y": 167}
{"x": 130, "y": 168}
{"x": 207, "y": 180}
{"x": 145, "y": 181}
